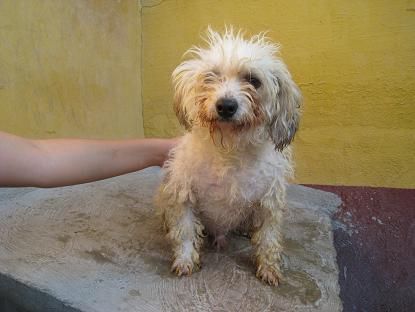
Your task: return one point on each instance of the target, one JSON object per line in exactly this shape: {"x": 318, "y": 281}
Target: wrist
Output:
{"x": 159, "y": 150}
{"x": 162, "y": 148}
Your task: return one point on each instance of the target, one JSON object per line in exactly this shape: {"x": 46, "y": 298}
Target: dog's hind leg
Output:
{"x": 267, "y": 241}
{"x": 185, "y": 231}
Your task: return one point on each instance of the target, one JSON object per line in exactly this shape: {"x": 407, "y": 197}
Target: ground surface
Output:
{"x": 375, "y": 243}
{"x": 98, "y": 247}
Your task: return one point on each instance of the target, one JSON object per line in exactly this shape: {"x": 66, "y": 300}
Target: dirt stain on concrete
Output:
{"x": 82, "y": 215}
{"x": 300, "y": 285}
{"x": 101, "y": 256}
{"x": 134, "y": 292}
{"x": 64, "y": 238}
{"x": 124, "y": 197}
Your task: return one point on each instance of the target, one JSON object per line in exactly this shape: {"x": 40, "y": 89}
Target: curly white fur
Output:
{"x": 230, "y": 173}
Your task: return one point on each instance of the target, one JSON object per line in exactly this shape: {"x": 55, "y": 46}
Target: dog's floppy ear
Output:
{"x": 184, "y": 79}
{"x": 180, "y": 110}
{"x": 286, "y": 113}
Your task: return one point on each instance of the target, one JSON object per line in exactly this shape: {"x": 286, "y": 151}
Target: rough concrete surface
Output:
{"x": 98, "y": 247}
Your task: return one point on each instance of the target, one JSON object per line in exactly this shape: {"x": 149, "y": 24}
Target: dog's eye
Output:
{"x": 216, "y": 72}
{"x": 254, "y": 81}
{"x": 210, "y": 77}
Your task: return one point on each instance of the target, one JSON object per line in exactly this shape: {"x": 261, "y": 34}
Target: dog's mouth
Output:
{"x": 223, "y": 124}
{"x": 231, "y": 125}
{"x": 214, "y": 120}
{"x": 225, "y": 121}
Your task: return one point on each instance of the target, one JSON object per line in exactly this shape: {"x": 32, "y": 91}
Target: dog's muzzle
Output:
{"x": 226, "y": 108}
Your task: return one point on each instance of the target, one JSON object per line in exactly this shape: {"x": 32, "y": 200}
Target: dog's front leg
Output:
{"x": 267, "y": 241}
{"x": 186, "y": 234}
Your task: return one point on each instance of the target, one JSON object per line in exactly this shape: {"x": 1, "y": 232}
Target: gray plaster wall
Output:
{"x": 99, "y": 247}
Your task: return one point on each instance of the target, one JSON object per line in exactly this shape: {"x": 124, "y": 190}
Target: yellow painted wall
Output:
{"x": 70, "y": 68}
{"x": 74, "y": 68}
{"x": 353, "y": 60}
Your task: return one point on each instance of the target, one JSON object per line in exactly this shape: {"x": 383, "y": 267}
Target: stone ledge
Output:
{"x": 98, "y": 247}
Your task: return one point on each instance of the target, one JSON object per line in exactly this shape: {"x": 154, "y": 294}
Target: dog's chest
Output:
{"x": 230, "y": 185}
{"x": 225, "y": 189}
{"x": 226, "y": 197}
{"x": 227, "y": 193}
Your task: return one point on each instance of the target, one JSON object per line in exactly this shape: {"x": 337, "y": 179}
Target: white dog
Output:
{"x": 240, "y": 108}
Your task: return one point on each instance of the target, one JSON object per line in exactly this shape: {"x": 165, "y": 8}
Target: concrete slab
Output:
{"x": 98, "y": 247}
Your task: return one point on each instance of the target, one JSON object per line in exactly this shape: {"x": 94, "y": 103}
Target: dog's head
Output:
{"x": 237, "y": 85}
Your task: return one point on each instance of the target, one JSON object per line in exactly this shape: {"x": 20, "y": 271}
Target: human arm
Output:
{"x": 60, "y": 162}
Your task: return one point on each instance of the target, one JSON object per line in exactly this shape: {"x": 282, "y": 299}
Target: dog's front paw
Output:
{"x": 268, "y": 274}
{"x": 184, "y": 267}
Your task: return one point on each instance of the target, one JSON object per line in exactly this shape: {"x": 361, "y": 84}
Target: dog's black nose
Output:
{"x": 226, "y": 107}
